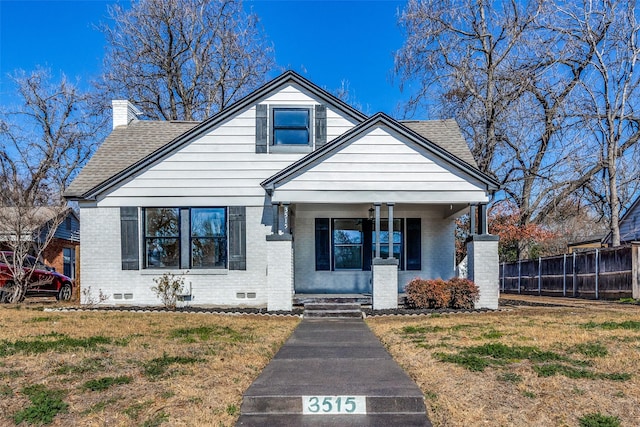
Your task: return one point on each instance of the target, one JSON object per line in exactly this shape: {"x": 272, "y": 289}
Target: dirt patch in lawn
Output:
{"x": 524, "y": 367}
{"x": 131, "y": 369}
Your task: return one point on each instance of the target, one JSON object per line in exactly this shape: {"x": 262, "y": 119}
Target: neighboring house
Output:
{"x": 629, "y": 225}
{"x": 288, "y": 191}
{"x": 586, "y": 244}
{"x": 61, "y": 251}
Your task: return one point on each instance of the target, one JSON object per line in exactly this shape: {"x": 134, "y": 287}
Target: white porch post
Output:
{"x": 483, "y": 268}
{"x": 280, "y": 263}
{"x": 377, "y": 205}
{"x": 385, "y": 271}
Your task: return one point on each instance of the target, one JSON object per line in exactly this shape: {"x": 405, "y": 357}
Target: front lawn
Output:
{"x": 130, "y": 369}
{"x": 525, "y": 367}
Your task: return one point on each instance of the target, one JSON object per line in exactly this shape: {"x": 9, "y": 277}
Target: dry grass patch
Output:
{"x": 132, "y": 369}
{"x": 525, "y": 367}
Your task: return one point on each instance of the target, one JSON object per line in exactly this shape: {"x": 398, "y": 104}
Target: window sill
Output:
{"x": 186, "y": 272}
{"x": 290, "y": 149}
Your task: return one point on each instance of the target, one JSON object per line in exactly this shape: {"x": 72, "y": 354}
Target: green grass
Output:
{"x": 509, "y": 377}
{"x": 45, "y": 405}
{"x": 88, "y": 365}
{"x": 599, "y": 420}
{"x": 104, "y": 383}
{"x": 590, "y": 349}
{"x": 208, "y": 333}
{"x": 156, "y": 368}
{"x": 545, "y": 363}
{"x": 42, "y": 319}
{"x": 632, "y": 325}
{"x": 51, "y": 342}
{"x": 156, "y": 420}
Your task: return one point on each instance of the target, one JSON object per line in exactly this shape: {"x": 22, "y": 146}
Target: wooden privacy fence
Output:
{"x": 607, "y": 273}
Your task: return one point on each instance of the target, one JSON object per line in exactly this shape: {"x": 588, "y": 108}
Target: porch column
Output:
{"x": 275, "y": 211}
{"x": 483, "y": 268}
{"x": 390, "y": 230}
{"x": 472, "y": 220}
{"x": 482, "y": 220}
{"x": 286, "y": 226}
{"x": 385, "y": 271}
{"x": 377, "y": 206}
{"x": 385, "y": 283}
{"x": 279, "y": 272}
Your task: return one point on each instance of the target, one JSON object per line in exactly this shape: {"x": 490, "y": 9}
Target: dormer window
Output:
{"x": 291, "y": 126}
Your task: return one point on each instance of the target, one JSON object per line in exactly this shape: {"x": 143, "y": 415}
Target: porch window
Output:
{"x": 384, "y": 240}
{"x": 208, "y": 238}
{"x": 347, "y": 244}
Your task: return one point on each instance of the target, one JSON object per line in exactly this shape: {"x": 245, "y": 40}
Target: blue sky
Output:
{"x": 326, "y": 41}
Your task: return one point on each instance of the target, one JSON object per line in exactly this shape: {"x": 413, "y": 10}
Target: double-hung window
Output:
{"x": 350, "y": 244}
{"x": 199, "y": 234}
{"x": 347, "y": 244}
{"x": 291, "y": 126}
{"x": 162, "y": 237}
{"x": 208, "y": 238}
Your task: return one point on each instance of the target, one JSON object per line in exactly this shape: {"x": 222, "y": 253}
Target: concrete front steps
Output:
{"x": 334, "y": 310}
{"x": 330, "y": 358}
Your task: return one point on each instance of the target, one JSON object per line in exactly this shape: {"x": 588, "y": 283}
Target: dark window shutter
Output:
{"x": 367, "y": 244}
{"x": 321, "y": 125}
{"x": 414, "y": 244}
{"x": 323, "y": 257}
{"x": 237, "y": 238}
{"x": 261, "y": 128}
{"x": 129, "y": 238}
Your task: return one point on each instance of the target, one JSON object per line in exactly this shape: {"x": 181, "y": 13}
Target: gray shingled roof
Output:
{"x": 125, "y": 146}
{"x": 446, "y": 134}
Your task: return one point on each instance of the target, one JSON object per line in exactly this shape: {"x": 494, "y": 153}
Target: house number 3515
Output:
{"x": 334, "y": 405}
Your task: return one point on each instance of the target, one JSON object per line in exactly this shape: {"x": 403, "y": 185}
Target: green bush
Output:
{"x": 427, "y": 293}
{"x": 436, "y": 293}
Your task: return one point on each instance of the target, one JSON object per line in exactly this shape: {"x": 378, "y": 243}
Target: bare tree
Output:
{"x": 609, "y": 104}
{"x": 184, "y": 59}
{"x": 43, "y": 143}
{"x": 511, "y": 73}
{"x": 466, "y": 57}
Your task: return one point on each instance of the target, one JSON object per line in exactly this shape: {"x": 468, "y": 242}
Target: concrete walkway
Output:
{"x": 333, "y": 372}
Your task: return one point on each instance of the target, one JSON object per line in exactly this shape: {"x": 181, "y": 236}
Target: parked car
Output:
{"x": 44, "y": 281}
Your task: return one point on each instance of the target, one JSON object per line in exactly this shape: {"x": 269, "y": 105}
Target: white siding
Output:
{"x": 220, "y": 168}
{"x": 380, "y": 166}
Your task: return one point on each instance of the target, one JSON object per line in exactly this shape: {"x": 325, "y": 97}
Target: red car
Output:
{"x": 45, "y": 281}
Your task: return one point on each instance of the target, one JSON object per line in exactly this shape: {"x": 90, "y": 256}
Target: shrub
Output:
{"x": 168, "y": 289}
{"x": 427, "y": 293}
{"x": 436, "y": 293}
{"x": 464, "y": 293}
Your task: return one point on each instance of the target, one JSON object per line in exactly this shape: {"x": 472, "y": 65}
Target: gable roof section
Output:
{"x": 121, "y": 158}
{"x": 420, "y": 140}
{"x": 634, "y": 209}
{"x": 444, "y": 133}
{"x": 125, "y": 146}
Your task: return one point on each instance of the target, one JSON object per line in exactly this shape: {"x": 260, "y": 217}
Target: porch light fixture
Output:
{"x": 371, "y": 213}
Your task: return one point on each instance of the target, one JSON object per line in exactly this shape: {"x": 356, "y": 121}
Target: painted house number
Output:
{"x": 334, "y": 405}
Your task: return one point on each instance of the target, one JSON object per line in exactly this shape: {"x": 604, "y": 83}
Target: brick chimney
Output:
{"x": 124, "y": 112}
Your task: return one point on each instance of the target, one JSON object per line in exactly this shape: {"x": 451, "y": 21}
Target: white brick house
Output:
{"x": 289, "y": 191}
